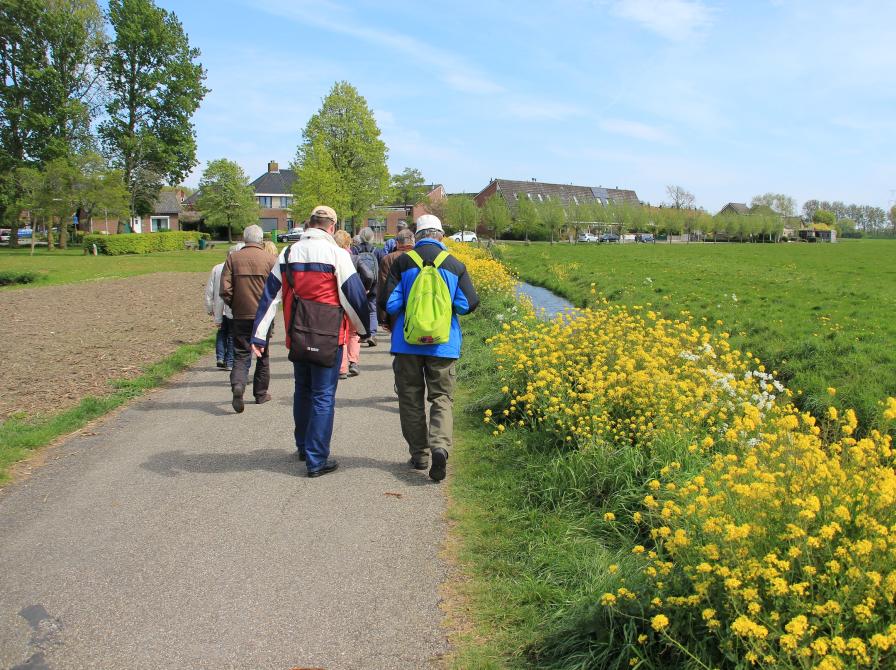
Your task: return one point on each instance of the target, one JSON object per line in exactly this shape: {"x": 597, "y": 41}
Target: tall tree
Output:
{"x": 317, "y": 181}
{"x": 409, "y": 188}
{"x": 679, "y": 197}
{"x": 351, "y": 137}
{"x": 461, "y": 213}
{"x": 99, "y": 190}
{"x": 155, "y": 86}
{"x": 552, "y": 215}
{"x": 226, "y": 198}
{"x": 782, "y": 204}
{"x": 496, "y": 216}
{"x": 527, "y": 216}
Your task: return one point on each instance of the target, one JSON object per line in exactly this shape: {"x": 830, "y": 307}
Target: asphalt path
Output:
{"x": 178, "y": 534}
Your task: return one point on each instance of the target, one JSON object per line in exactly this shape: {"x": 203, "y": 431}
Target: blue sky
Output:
{"x": 728, "y": 99}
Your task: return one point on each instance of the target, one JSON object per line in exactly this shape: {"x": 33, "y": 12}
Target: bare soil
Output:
{"x": 69, "y": 341}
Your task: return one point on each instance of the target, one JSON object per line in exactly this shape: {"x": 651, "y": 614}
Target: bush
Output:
{"x": 8, "y": 277}
{"x": 143, "y": 243}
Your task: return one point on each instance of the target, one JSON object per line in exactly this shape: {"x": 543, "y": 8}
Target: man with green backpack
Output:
{"x": 427, "y": 288}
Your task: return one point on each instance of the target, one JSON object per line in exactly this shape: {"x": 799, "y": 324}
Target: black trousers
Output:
{"x": 242, "y": 359}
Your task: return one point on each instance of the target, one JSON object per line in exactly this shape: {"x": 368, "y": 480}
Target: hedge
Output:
{"x": 8, "y": 277}
{"x": 142, "y": 243}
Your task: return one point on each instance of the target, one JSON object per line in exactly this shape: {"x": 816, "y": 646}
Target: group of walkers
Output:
{"x": 337, "y": 294}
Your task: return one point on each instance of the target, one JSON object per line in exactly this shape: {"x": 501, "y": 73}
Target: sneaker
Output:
{"x": 343, "y": 375}
{"x": 419, "y": 463}
{"x": 328, "y": 466}
{"x": 353, "y": 370}
{"x": 371, "y": 342}
{"x": 237, "y": 402}
{"x": 220, "y": 364}
{"x": 439, "y": 463}
{"x": 262, "y": 399}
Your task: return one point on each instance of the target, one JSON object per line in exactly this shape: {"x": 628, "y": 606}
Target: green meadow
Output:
{"x": 819, "y": 315}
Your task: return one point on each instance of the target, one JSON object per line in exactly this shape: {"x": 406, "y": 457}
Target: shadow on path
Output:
{"x": 222, "y": 409}
{"x": 173, "y": 463}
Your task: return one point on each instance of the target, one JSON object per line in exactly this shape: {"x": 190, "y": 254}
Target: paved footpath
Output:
{"x": 181, "y": 535}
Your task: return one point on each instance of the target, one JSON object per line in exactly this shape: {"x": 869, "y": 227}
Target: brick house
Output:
{"x": 539, "y": 191}
{"x": 384, "y": 220}
{"x": 165, "y": 216}
{"x": 273, "y": 191}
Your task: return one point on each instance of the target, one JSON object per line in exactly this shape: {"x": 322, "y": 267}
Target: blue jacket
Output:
{"x": 398, "y": 286}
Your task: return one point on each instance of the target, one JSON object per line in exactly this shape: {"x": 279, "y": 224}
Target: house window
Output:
{"x": 285, "y": 201}
{"x": 264, "y": 200}
{"x": 158, "y": 223}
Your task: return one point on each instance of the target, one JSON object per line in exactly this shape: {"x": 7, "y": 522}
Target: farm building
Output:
{"x": 568, "y": 194}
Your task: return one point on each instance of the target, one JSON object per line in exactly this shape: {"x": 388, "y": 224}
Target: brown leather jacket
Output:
{"x": 243, "y": 277}
{"x": 385, "y": 266}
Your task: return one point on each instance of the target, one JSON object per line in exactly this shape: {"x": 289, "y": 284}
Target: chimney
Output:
{"x": 273, "y": 167}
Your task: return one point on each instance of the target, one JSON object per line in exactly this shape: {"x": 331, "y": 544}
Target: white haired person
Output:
{"x": 222, "y": 315}
{"x": 242, "y": 285}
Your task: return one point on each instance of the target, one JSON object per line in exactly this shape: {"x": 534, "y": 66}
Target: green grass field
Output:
{"x": 820, "y": 315}
{"x": 71, "y": 265}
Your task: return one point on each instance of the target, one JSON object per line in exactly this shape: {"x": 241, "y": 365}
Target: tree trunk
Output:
{"x": 63, "y": 233}
{"x": 50, "y": 233}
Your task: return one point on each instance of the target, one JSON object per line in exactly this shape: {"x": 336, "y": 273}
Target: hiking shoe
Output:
{"x": 353, "y": 370}
{"x": 328, "y": 466}
{"x": 237, "y": 402}
{"x": 343, "y": 375}
{"x": 439, "y": 464}
{"x": 262, "y": 399}
{"x": 371, "y": 342}
{"x": 419, "y": 464}
{"x": 220, "y": 364}
{"x": 301, "y": 455}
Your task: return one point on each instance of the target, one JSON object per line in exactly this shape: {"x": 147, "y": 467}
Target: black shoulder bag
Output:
{"x": 314, "y": 328}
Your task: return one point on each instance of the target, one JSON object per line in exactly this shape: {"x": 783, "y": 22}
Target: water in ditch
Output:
{"x": 547, "y": 304}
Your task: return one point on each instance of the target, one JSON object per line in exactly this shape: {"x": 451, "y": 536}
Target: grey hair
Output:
{"x": 429, "y": 233}
{"x": 366, "y": 234}
{"x": 356, "y": 240}
{"x": 402, "y": 225}
{"x": 253, "y": 234}
{"x": 404, "y": 236}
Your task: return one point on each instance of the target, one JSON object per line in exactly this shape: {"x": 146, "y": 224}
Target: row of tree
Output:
{"x": 80, "y": 107}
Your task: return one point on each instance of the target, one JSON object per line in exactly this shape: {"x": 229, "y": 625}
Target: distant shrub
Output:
{"x": 143, "y": 243}
{"x": 8, "y": 277}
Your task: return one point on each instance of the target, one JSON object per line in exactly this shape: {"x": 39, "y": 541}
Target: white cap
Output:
{"x": 428, "y": 222}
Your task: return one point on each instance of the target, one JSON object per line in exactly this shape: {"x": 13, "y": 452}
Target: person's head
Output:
{"x": 253, "y": 234}
{"x": 401, "y": 225}
{"x": 323, "y": 217}
{"x": 404, "y": 240}
{"x": 271, "y": 248}
{"x": 366, "y": 235}
{"x": 343, "y": 239}
{"x": 429, "y": 226}
{"x": 356, "y": 240}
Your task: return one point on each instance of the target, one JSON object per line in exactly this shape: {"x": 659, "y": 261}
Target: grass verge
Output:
{"x": 531, "y": 567}
{"x": 20, "y": 436}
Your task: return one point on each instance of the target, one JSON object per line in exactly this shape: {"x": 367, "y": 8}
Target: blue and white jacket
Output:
{"x": 398, "y": 286}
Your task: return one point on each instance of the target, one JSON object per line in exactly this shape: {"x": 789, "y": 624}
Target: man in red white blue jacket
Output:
{"x": 321, "y": 272}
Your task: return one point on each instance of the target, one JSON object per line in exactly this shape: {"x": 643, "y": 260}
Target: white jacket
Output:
{"x": 213, "y": 302}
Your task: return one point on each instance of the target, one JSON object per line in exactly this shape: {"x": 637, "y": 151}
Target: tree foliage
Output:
{"x": 679, "y": 197}
{"x": 461, "y": 213}
{"x": 317, "y": 180}
{"x": 226, "y": 199}
{"x": 868, "y": 218}
{"x": 344, "y": 127}
{"x": 155, "y": 85}
{"x": 552, "y": 215}
{"x": 780, "y": 203}
{"x": 409, "y": 188}
{"x": 496, "y": 215}
{"x": 527, "y": 216}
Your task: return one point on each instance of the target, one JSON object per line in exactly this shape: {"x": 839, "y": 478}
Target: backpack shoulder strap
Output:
{"x": 288, "y": 273}
{"x": 414, "y": 256}
{"x": 440, "y": 259}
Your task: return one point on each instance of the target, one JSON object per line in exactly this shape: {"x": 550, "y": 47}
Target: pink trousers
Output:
{"x": 352, "y": 350}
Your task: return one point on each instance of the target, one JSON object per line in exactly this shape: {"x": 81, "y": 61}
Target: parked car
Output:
{"x": 586, "y": 237}
{"x": 465, "y": 236}
{"x": 292, "y": 235}
{"x": 609, "y": 237}
{"x": 24, "y": 234}
{"x": 644, "y": 237}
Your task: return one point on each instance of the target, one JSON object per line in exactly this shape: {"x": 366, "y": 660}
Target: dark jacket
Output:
{"x": 398, "y": 286}
{"x": 385, "y": 267}
{"x": 243, "y": 277}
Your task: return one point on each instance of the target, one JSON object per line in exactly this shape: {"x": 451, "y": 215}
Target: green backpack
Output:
{"x": 427, "y": 317}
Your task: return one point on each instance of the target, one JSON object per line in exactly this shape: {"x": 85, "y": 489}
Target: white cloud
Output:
{"x": 335, "y": 18}
{"x": 676, "y": 20}
{"x": 636, "y": 130}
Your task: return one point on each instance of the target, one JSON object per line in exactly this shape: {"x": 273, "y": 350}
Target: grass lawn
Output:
{"x": 71, "y": 265}
{"x": 820, "y": 315}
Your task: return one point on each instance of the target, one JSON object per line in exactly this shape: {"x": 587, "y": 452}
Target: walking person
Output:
{"x": 242, "y": 284}
{"x": 404, "y": 242}
{"x": 426, "y": 341}
{"x": 317, "y": 283}
{"x": 223, "y": 317}
{"x": 368, "y": 269}
{"x": 391, "y": 244}
{"x": 352, "y": 358}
